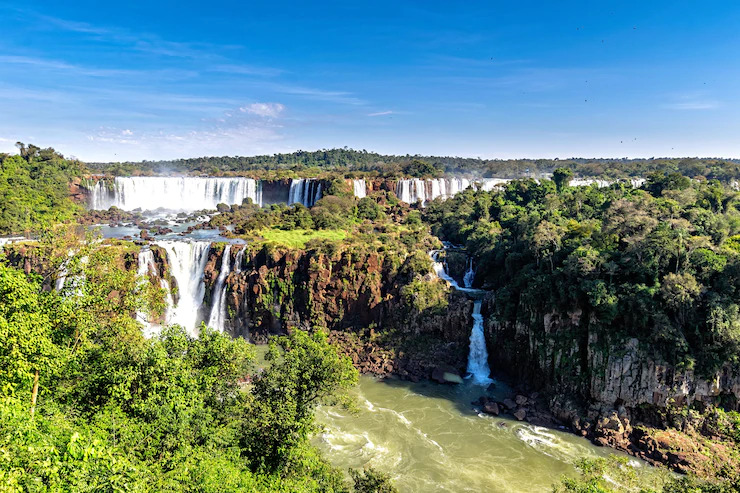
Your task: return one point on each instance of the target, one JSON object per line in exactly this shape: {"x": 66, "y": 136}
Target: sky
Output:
{"x": 113, "y": 81}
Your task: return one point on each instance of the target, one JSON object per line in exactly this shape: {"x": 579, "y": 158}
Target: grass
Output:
{"x": 297, "y": 238}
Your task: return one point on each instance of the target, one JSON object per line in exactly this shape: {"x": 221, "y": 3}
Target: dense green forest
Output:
{"x": 350, "y": 161}
{"x": 35, "y": 189}
{"x": 660, "y": 263}
{"x": 89, "y": 404}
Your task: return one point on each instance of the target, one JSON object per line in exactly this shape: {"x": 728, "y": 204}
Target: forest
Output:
{"x": 90, "y": 404}
{"x": 349, "y": 161}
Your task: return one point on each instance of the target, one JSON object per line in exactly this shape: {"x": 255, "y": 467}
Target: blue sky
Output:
{"x": 166, "y": 79}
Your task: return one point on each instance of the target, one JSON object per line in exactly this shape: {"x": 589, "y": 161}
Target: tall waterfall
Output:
{"x": 360, "y": 188}
{"x": 306, "y": 191}
{"x": 187, "y": 263}
{"x": 478, "y": 354}
{"x": 217, "y": 320}
{"x": 239, "y": 259}
{"x": 176, "y": 193}
{"x": 469, "y": 276}
{"x": 146, "y": 268}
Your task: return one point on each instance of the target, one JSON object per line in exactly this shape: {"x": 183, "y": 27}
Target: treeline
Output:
{"x": 348, "y": 161}
{"x": 35, "y": 189}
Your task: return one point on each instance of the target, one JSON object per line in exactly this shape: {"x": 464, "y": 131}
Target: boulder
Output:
{"x": 446, "y": 375}
{"x": 509, "y": 404}
{"x": 521, "y": 400}
{"x": 520, "y": 414}
{"x": 491, "y": 407}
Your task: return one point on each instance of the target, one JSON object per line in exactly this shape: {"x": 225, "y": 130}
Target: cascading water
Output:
{"x": 306, "y": 191}
{"x": 469, "y": 276}
{"x": 478, "y": 354}
{"x": 217, "y": 320}
{"x": 187, "y": 260}
{"x": 146, "y": 268}
{"x": 175, "y": 193}
{"x": 360, "y": 188}
{"x": 238, "y": 260}
{"x": 414, "y": 190}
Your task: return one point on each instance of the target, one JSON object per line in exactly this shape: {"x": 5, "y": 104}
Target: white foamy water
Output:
{"x": 306, "y": 191}
{"x": 360, "y": 188}
{"x": 184, "y": 193}
{"x": 469, "y": 274}
{"x": 187, "y": 260}
{"x": 217, "y": 319}
{"x": 478, "y": 353}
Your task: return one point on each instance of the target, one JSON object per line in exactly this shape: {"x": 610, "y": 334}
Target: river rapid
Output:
{"x": 429, "y": 438}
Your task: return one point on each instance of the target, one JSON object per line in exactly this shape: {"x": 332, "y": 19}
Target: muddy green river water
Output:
{"x": 429, "y": 438}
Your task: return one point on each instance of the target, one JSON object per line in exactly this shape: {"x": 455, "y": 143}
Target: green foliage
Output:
{"x": 614, "y": 475}
{"x": 306, "y": 371}
{"x": 34, "y": 189}
{"x": 371, "y": 481}
{"x": 117, "y": 412}
{"x": 659, "y": 264}
{"x": 561, "y": 177}
{"x": 25, "y": 331}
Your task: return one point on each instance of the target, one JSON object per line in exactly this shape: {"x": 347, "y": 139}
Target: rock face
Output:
{"x": 559, "y": 353}
{"x": 280, "y": 289}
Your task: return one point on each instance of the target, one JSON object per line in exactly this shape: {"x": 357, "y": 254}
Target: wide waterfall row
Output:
{"x": 304, "y": 191}
{"x": 174, "y": 193}
{"x": 416, "y": 189}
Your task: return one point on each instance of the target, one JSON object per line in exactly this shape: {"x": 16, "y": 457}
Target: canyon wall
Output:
{"x": 570, "y": 355}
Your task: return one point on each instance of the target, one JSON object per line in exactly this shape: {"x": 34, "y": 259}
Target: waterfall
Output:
{"x": 239, "y": 259}
{"x": 146, "y": 268}
{"x": 306, "y": 191}
{"x": 440, "y": 270}
{"x": 469, "y": 276}
{"x": 360, "y": 188}
{"x": 413, "y": 190}
{"x": 187, "y": 262}
{"x": 478, "y": 355}
{"x": 175, "y": 193}
{"x": 217, "y": 320}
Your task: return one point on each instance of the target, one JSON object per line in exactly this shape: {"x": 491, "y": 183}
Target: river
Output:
{"x": 429, "y": 438}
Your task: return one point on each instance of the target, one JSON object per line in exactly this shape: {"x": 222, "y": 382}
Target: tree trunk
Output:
{"x": 35, "y": 392}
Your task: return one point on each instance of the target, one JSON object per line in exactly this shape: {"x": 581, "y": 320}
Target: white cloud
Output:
{"x": 381, "y": 113}
{"x": 267, "y": 110}
{"x": 127, "y": 132}
{"x": 692, "y": 101}
{"x": 693, "y": 105}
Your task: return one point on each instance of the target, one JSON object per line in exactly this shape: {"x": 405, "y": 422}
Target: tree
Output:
{"x": 305, "y": 371}
{"x": 371, "y": 481}
{"x": 26, "y": 347}
{"x": 561, "y": 177}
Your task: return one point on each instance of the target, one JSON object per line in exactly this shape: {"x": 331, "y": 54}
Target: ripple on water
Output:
{"x": 429, "y": 439}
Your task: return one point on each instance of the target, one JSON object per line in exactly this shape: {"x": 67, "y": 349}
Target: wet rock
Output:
{"x": 520, "y": 414}
{"x": 491, "y": 408}
{"x": 521, "y": 400}
{"x": 446, "y": 375}
{"x": 509, "y": 404}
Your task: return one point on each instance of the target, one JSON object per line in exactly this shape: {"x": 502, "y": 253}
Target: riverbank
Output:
{"x": 680, "y": 440}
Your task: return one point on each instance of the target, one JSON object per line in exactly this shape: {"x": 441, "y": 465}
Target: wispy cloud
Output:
{"x": 270, "y": 110}
{"x": 693, "y": 105}
{"x": 47, "y": 64}
{"x": 381, "y": 113}
{"x": 320, "y": 94}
